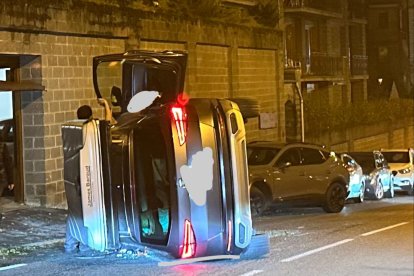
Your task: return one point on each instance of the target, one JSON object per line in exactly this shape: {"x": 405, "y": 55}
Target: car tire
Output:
{"x": 249, "y": 107}
{"x": 259, "y": 247}
{"x": 390, "y": 193}
{"x": 334, "y": 198}
{"x": 258, "y": 201}
{"x": 410, "y": 192}
{"x": 360, "y": 199}
{"x": 379, "y": 191}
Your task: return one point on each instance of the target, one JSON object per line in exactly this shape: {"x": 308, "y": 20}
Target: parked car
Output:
{"x": 401, "y": 162}
{"x": 297, "y": 172}
{"x": 7, "y": 134}
{"x": 378, "y": 176}
{"x": 356, "y": 188}
{"x": 165, "y": 172}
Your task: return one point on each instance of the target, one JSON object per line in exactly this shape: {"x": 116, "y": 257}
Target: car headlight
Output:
{"x": 404, "y": 171}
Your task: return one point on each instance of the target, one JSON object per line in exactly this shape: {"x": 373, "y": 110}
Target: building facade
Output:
{"x": 325, "y": 54}
{"x": 390, "y": 47}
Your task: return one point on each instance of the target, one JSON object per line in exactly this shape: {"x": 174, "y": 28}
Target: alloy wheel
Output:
{"x": 335, "y": 198}
{"x": 361, "y": 193}
{"x": 379, "y": 191}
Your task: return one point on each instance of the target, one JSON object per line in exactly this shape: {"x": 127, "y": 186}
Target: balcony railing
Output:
{"x": 359, "y": 65}
{"x": 323, "y": 64}
{"x": 324, "y": 5}
{"x": 326, "y": 65}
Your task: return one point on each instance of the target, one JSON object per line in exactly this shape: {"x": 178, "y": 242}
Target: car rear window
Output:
{"x": 260, "y": 156}
{"x": 397, "y": 157}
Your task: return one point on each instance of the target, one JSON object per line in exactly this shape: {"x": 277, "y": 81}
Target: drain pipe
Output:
{"x": 302, "y": 120}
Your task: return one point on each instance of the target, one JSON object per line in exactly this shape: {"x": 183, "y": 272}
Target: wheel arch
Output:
{"x": 341, "y": 180}
{"x": 262, "y": 185}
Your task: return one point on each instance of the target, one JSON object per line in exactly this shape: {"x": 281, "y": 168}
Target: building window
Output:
{"x": 383, "y": 20}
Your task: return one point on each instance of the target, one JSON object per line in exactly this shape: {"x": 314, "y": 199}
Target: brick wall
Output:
{"x": 65, "y": 65}
{"x": 212, "y": 72}
{"x": 257, "y": 76}
{"x": 372, "y": 142}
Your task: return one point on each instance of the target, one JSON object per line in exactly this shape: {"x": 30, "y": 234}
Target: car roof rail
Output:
{"x": 259, "y": 141}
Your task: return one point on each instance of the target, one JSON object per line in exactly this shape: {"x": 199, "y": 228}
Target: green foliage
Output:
{"x": 266, "y": 12}
{"x": 321, "y": 117}
{"x": 37, "y": 12}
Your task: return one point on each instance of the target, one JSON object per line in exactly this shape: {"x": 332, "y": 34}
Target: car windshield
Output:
{"x": 366, "y": 162}
{"x": 396, "y": 157}
{"x": 261, "y": 155}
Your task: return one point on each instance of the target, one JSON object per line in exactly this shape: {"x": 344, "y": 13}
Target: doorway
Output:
{"x": 7, "y": 139}
{"x": 290, "y": 122}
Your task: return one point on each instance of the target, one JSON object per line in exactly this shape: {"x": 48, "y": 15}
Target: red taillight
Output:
{"x": 180, "y": 118}
{"x": 189, "y": 243}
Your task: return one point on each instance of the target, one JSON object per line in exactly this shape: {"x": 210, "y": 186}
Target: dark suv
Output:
{"x": 299, "y": 173}
{"x": 172, "y": 175}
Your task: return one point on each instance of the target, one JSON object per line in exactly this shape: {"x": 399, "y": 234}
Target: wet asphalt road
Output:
{"x": 372, "y": 238}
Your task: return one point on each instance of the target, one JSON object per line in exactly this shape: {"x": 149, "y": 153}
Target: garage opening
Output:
{"x": 7, "y": 152}
{"x": 17, "y": 76}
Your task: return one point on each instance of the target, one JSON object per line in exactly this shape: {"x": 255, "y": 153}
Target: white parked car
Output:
{"x": 401, "y": 162}
{"x": 356, "y": 188}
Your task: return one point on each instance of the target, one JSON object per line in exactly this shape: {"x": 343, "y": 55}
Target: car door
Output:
{"x": 287, "y": 174}
{"x": 316, "y": 172}
{"x": 384, "y": 175}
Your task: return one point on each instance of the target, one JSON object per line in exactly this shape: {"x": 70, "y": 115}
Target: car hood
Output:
{"x": 398, "y": 166}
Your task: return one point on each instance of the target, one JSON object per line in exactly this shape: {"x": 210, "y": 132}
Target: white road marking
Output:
{"x": 315, "y": 250}
{"x": 11, "y": 266}
{"x": 340, "y": 243}
{"x": 383, "y": 229}
{"x": 199, "y": 259}
{"x": 253, "y": 272}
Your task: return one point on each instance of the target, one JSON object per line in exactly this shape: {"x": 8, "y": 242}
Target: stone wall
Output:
{"x": 368, "y": 138}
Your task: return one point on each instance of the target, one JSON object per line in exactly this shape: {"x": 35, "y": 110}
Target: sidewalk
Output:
{"x": 23, "y": 227}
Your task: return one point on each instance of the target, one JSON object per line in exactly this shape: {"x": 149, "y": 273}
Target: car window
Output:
{"x": 349, "y": 162}
{"x": 291, "y": 155}
{"x": 397, "y": 157}
{"x": 312, "y": 156}
{"x": 260, "y": 156}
